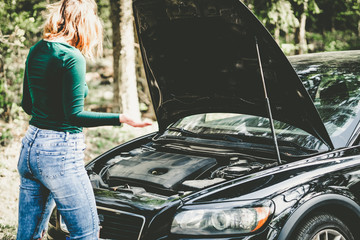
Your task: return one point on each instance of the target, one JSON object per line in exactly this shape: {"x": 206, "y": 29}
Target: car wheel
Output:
{"x": 323, "y": 226}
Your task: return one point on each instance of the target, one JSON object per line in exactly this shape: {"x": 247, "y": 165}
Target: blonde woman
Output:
{"x": 51, "y": 159}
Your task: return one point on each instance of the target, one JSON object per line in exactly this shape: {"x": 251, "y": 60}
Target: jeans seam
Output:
{"x": 91, "y": 209}
{"x": 30, "y": 147}
{"x": 88, "y": 195}
{"x": 42, "y": 217}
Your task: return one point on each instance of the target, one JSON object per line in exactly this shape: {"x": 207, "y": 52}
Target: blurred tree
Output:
{"x": 335, "y": 27}
{"x": 302, "y": 9}
{"x": 353, "y": 11}
{"x": 124, "y": 57}
{"x": 115, "y": 16}
{"x": 146, "y": 105}
{"x": 336, "y": 15}
{"x": 142, "y": 90}
{"x": 279, "y": 18}
{"x": 357, "y": 11}
{"x": 326, "y": 20}
{"x": 282, "y": 17}
{"x": 128, "y": 86}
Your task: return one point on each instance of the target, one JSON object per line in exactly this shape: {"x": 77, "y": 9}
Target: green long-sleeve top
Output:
{"x": 54, "y": 89}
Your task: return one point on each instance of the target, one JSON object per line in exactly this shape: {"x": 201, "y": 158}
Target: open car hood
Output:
{"x": 200, "y": 56}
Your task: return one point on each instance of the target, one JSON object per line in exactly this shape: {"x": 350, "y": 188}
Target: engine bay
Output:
{"x": 164, "y": 171}
{"x": 160, "y": 169}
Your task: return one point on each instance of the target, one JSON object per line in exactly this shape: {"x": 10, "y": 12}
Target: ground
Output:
{"x": 9, "y": 182}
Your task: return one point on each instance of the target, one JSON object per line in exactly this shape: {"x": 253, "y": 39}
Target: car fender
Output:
{"x": 315, "y": 203}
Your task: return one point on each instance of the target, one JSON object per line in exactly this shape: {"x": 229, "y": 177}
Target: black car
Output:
{"x": 251, "y": 144}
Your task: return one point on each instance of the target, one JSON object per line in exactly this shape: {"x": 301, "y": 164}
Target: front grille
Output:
{"x": 116, "y": 224}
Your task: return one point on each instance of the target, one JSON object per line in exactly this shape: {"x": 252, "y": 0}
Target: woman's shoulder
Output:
{"x": 62, "y": 49}
{"x": 68, "y": 54}
{"x": 65, "y": 54}
{"x": 71, "y": 54}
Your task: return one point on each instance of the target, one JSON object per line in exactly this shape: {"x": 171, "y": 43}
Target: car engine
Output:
{"x": 168, "y": 173}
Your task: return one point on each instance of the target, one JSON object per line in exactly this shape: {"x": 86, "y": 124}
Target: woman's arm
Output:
{"x": 73, "y": 100}
{"x": 73, "y": 91}
{"x": 26, "y": 102}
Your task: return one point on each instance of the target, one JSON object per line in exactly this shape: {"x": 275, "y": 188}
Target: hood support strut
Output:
{"x": 268, "y": 104}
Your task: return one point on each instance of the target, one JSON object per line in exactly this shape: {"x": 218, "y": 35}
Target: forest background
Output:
{"x": 117, "y": 80}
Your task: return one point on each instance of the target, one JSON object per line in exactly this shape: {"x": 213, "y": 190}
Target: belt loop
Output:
{"x": 35, "y": 134}
{"x": 66, "y": 136}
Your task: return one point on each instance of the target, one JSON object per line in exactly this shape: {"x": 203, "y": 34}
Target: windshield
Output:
{"x": 247, "y": 126}
{"x": 334, "y": 86}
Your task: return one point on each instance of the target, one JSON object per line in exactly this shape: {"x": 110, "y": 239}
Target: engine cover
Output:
{"x": 159, "y": 169}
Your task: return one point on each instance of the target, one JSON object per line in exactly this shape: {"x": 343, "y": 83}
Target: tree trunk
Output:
{"x": 287, "y": 37}
{"x": 277, "y": 33}
{"x": 116, "y": 42}
{"x": 302, "y": 30}
{"x": 142, "y": 81}
{"x": 358, "y": 19}
{"x": 128, "y": 87}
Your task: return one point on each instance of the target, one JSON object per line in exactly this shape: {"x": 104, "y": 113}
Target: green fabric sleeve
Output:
{"x": 26, "y": 102}
{"x": 73, "y": 91}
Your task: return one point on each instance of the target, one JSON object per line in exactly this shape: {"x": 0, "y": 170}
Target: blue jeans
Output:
{"x": 51, "y": 168}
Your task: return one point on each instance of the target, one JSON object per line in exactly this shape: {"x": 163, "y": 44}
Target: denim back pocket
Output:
{"x": 51, "y": 164}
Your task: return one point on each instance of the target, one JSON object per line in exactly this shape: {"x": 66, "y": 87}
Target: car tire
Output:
{"x": 321, "y": 225}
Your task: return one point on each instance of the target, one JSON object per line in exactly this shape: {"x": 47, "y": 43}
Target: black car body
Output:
{"x": 251, "y": 144}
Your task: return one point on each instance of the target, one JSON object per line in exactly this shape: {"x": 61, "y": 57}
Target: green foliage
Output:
{"x": 282, "y": 15}
{"x": 312, "y": 6}
{"x": 7, "y": 232}
{"x": 101, "y": 139}
{"x": 351, "y": 14}
{"x": 19, "y": 27}
{"x": 352, "y": 8}
{"x": 333, "y": 41}
{"x": 288, "y": 48}
{"x": 5, "y": 136}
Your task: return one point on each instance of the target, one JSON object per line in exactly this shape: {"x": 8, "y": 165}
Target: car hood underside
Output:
{"x": 201, "y": 56}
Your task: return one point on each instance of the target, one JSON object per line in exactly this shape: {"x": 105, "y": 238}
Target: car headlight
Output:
{"x": 221, "y": 218}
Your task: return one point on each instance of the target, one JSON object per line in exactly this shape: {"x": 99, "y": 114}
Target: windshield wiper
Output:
{"x": 184, "y": 132}
{"x": 226, "y": 137}
{"x": 236, "y": 138}
{"x": 296, "y": 146}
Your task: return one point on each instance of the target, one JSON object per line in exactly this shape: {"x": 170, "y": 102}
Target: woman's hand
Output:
{"x": 128, "y": 120}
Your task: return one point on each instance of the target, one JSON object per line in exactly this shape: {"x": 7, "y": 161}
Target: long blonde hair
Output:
{"x": 76, "y": 22}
